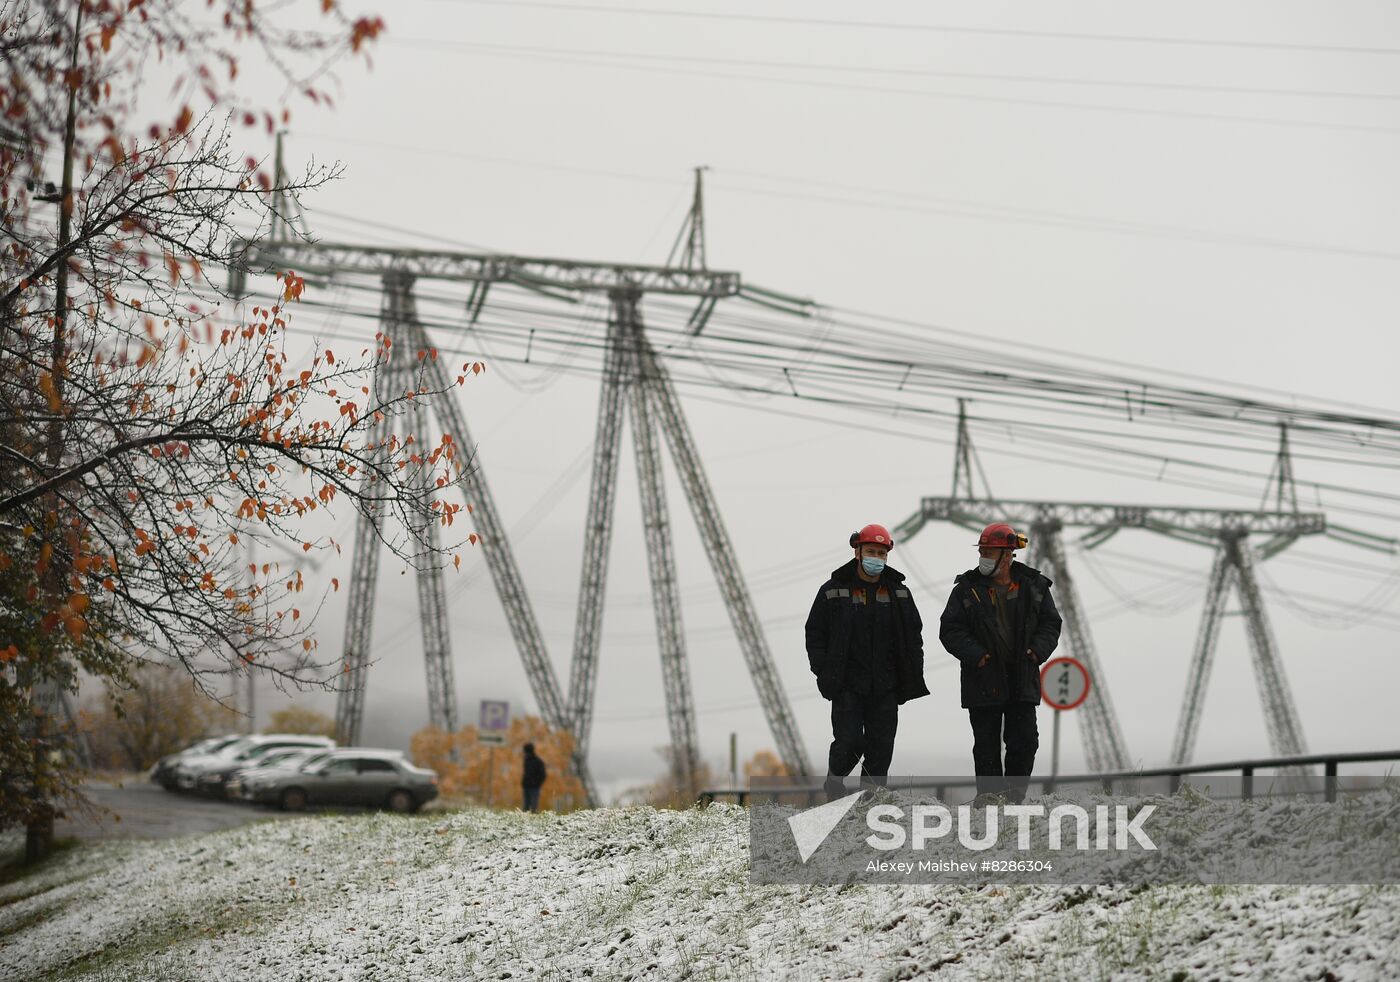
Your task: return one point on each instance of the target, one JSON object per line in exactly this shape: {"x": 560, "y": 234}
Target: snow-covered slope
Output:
{"x": 629, "y": 894}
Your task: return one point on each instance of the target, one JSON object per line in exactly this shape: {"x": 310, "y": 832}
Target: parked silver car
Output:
{"x": 244, "y": 782}
{"x": 351, "y": 776}
{"x": 190, "y": 770}
{"x": 281, "y": 757}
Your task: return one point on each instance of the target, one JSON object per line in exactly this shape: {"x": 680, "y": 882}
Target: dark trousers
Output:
{"x": 1014, "y": 724}
{"x": 532, "y": 799}
{"x": 862, "y": 729}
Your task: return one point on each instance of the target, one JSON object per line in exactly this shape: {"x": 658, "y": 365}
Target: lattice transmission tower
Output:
{"x": 1226, "y": 530}
{"x": 633, "y": 376}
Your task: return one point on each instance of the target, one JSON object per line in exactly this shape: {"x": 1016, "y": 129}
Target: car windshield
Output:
{"x": 314, "y": 761}
{"x": 235, "y": 748}
{"x": 281, "y": 758}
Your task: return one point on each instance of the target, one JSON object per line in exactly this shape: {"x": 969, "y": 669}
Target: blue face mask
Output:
{"x": 872, "y": 566}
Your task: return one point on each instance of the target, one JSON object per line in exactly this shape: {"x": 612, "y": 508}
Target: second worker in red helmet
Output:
{"x": 1001, "y": 625}
{"x": 865, "y": 646}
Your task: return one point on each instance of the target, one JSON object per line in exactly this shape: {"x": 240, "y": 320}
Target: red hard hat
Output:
{"x": 872, "y": 535}
{"x": 999, "y": 535}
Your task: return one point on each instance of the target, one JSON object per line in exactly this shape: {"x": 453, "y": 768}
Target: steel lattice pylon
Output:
{"x": 510, "y": 586}
{"x": 349, "y": 709}
{"x": 675, "y": 672}
{"x": 1227, "y": 530}
{"x": 720, "y": 551}
{"x": 597, "y": 538}
{"x": 1234, "y": 566}
{"x": 632, "y": 377}
{"x": 1104, "y": 745}
{"x": 401, "y": 326}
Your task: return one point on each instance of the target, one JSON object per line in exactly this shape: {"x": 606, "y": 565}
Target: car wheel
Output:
{"x": 293, "y": 800}
{"x": 402, "y": 802}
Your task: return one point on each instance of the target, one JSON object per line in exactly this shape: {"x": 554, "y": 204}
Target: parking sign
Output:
{"x": 493, "y": 721}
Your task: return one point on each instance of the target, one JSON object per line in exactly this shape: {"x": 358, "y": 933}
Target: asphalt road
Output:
{"x": 138, "y": 809}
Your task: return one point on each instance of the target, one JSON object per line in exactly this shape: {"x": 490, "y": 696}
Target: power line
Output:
{"x": 860, "y": 404}
{"x": 645, "y": 56}
{"x": 1040, "y": 103}
{"x": 901, "y": 201}
{"x": 863, "y": 374}
{"x": 944, "y": 28}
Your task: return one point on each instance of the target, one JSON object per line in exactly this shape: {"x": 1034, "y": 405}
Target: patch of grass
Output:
{"x": 30, "y": 917}
{"x": 13, "y": 868}
{"x": 150, "y": 955}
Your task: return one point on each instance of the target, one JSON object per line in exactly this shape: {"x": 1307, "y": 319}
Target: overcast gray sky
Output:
{"x": 1141, "y": 209}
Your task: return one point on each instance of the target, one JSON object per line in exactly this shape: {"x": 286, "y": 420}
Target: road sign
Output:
{"x": 495, "y": 715}
{"x": 492, "y": 723}
{"x": 1064, "y": 683}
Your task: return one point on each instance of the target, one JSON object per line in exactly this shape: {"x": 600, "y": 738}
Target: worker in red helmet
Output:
{"x": 865, "y": 645}
{"x": 1001, "y": 625}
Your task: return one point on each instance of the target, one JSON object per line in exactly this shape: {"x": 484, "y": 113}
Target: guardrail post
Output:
{"x": 1174, "y": 783}
{"x": 1247, "y": 783}
{"x": 1329, "y": 780}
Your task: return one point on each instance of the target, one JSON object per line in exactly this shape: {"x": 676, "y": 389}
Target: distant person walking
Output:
{"x": 1001, "y": 625}
{"x": 532, "y": 778}
{"x": 865, "y": 645}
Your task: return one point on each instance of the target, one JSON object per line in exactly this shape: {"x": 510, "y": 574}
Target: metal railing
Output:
{"x": 1107, "y": 780}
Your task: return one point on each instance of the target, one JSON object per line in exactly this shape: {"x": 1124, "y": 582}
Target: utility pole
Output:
{"x": 251, "y": 725}
{"x": 733, "y": 759}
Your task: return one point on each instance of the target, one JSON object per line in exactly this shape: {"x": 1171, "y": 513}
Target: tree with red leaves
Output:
{"x": 147, "y": 434}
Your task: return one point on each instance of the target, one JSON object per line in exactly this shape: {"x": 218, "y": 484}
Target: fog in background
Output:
{"x": 1141, "y": 210}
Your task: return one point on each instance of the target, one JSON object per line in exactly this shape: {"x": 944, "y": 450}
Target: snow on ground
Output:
{"x": 628, "y": 894}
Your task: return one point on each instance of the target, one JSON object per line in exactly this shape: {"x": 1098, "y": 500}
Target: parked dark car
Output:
{"x": 163, "y": 771}
{"x": 377, "y": 778}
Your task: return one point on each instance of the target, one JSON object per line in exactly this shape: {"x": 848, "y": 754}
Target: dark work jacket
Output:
{"x": 834, "y": 617}
{"x": 968, "y": 630}
{"x": 532, "y": 776}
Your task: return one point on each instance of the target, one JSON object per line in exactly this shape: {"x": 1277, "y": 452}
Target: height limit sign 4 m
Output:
{"x": 1064, "y": 683}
